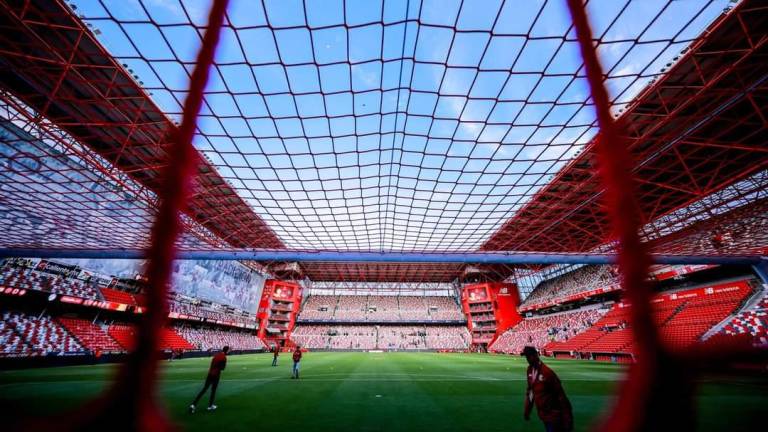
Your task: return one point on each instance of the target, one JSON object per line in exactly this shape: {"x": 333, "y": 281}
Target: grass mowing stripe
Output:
{"x": 368, "y": 392}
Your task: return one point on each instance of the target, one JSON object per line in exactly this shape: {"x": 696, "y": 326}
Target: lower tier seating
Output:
{"x": 125, "y": 335}
{"x": 22, "y": 334}
{"x": 90, "y": 335}
{"x": 11, "y": 342}
{"x": 682, "y": 319}
{"x": 751, "y": 324}
{"x": 389, "y": 337}
{"x": 539, "y": 331}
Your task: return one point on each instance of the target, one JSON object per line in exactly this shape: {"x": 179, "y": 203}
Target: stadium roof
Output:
{"x": 400, "y": 126}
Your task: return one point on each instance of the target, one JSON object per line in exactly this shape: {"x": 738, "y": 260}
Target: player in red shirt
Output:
{"x": 218, "y": 363}
{"x": 545, "y": 391}
{"x": 275, "y": 353}
{"x": 296, "y": 360}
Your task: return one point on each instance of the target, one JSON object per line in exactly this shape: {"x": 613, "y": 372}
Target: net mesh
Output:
{"x": 397, "y": 125}
{"x": 369, "y": 96}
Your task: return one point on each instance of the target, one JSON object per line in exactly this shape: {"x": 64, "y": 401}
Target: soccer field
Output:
{"x": 370, "y": 392}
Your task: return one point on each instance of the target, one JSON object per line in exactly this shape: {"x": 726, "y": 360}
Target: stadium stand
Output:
{"x": 349, "y": 313}
{"x": 118, "y": 296}
{"x": 697, "y": 316}
{"x": 400, "y": 338}
{"x": 35, "y": 335}
{"x": 522, "y": 128}
{"x": 30, "y": 279}
{"x": 141, "y": 299}
{"x": 683, "y": 318}
{"x": 540, "y": 331}
{"x": 380, "y": 308}
{"x": 350, "y": 308}
{"x": 207, "y": 339}
{"x": 447, "y": 337}
{"x": 591, "y": 281}
{"x": 412, "y": 307}
{"x": 311, "y": 336}
{"x": 351, "y": 337}
{"x": 11, "y": 343}
{"x": 443, "y": 308}
{"x": 200, "y": 311}
{"x": 750, "y": 323}
{"x": 90, "y": 335}
{"x": 125, "y": 335}
{"x": 386, "y": 337}
{"x": 319, "y": 307}
{"x": 582, "y": 279}
{"x": 169, "y": 339}
{"x": 731, "y": 232}
{"x": 14, "y": 275}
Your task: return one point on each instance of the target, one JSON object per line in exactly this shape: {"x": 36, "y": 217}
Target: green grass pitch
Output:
{"x": 371, "y": 392}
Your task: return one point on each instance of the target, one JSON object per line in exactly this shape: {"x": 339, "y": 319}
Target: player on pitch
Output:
{"x": 545, "y": 391}
{"x": 218, "y": 363}
{"x": 296, "y": 360}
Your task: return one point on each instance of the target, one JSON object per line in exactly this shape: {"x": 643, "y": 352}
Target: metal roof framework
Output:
{"x": 53, "y": 63}
{"x": 694, "y": 131}
{"x": 698, "y": 129}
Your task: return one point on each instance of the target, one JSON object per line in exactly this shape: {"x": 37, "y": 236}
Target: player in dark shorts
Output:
{"x": 218, "y": 363}
{"x": 547, "y": 394}
{"x": 296, "y": 361}
{"x": 276, "y": 352}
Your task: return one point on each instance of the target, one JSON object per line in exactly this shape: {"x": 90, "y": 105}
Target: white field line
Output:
{"x": 420, "y": 379}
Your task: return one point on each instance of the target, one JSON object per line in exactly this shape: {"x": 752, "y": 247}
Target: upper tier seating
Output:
{"x": 141, "y": 299}
{"x": 443, "y": 308}
{"x": 24, "y": 278}
{"x": 350, "y": 308}
{"x": 14, "y": 276}
{"x": 319, "y": 307}
{"x": 412, "y": 307}
{"x": 735, "y": 232}
{"x": 200, "y": 311}
{"x": 582, "y": 279}
{"x": 118, "y": 296}
{"x": 380, "y": 308}
{"x": 209, "y": 339}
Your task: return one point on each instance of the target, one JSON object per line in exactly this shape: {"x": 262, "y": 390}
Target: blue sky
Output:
{"x": 394, "y": 125}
